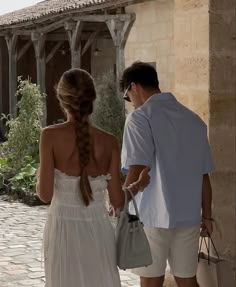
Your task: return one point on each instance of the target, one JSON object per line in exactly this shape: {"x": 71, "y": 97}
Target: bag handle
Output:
{"x": 126, "y": 191}
{"x": 210, "y": 241}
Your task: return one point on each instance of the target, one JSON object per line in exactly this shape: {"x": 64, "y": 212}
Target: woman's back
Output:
{"x": 66, "y": 155}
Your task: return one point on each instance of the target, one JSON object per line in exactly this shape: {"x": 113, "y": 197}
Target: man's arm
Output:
{"x": 207, "y": 227}
{"x": 137, "y": 150}
{"x": 133, "y": 176}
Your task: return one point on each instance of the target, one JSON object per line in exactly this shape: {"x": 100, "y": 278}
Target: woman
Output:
{"x": 77, "y": 163}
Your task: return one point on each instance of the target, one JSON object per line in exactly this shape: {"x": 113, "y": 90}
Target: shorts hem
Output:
{"x": 184, "y": 276}
{"x": 147, "y": 275}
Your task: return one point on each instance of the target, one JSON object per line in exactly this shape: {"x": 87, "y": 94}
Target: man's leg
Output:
{"x": 183, "y": 256}
{"x": 152, "y": 282}
{"x": 187, "y": 282}
{"x": 159, "y": 241}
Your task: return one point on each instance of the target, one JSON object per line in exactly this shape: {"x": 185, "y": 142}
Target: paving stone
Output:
{"x": 21, "y": 261}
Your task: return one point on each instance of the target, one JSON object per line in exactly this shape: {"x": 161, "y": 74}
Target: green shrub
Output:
{"x": 5, "y": 174}
{"x": 109, "y": 110}
{"x": 25, "y": 180}
{"x": 24, "y": 130}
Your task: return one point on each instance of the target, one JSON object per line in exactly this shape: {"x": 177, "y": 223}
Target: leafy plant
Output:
{"x": 5, "y": 172}
{"x": 109, "y": 112}
{"x": 24, "y": 130}
{"x": 25, "y": 179}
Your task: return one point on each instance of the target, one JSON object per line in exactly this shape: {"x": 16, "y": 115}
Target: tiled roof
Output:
{"x": 47, "y": 8}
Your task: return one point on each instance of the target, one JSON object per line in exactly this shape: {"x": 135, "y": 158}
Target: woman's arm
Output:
{"x": 45, "y": 183}
{"x": 115, "y": 191}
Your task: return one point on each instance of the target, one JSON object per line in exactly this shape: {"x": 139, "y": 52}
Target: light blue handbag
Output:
{"x": 133, "y": 249}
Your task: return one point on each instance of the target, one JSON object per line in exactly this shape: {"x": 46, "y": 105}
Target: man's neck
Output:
{"x": 150, "y": 93}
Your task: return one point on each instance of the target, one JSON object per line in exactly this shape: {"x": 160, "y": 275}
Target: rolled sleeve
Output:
{"x": 138, "y": 145}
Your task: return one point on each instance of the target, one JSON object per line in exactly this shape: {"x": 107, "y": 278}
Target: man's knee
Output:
{"x": 152, "y": 282}
{"x": 187, "y": 282}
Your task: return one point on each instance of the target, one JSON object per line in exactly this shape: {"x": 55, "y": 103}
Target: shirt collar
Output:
{"x": 162, "y": 97}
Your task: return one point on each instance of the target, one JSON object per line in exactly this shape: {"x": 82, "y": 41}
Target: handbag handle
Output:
{"x": 126, "y": 190}
{"x": 210, "y": 241}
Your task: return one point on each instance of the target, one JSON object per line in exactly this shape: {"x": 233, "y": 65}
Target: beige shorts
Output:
{"x": 178, "y": 246}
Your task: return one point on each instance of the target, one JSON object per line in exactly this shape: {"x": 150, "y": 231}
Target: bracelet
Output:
{"x": 208, "y": 218}
{"x": 133, "y": 185}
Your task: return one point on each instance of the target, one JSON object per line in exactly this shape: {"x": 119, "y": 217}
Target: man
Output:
{"x": 172, "y": 140}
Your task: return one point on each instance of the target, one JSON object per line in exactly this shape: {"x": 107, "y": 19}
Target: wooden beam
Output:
{"x": 74, "y": 32}
{"x": 57, "y": 37}
{"x": 90, "y": 41}
{"x": 11, "y": 41}
{"x": 23, "y": 50}
{"x": 38, "y": 40}
{"x": 102, "y": 18}
{"x": 1, "y": 81}
{"x": 120, "y": 29}
{"x": 52, "y": 53}
{"x": 119, "y": 32}
{"x": 52, "y": 27}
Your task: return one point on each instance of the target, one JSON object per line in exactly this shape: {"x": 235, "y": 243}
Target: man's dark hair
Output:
{"x": 140, "y": 73}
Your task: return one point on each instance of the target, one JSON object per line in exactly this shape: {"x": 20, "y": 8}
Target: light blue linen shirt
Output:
{"x": 170, "y": 138}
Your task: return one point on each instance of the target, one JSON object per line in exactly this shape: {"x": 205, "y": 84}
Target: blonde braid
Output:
{"x": 84, "y": 147}
{"x": 76, "y": 93}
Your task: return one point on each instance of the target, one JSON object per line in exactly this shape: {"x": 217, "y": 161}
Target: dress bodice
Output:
{"x": 67, "y": 200}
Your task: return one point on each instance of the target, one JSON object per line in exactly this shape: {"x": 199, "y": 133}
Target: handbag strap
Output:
{"x": 210, "y": 241}
{"x": 207, "y": 248}
{"x": 126, "y": 191}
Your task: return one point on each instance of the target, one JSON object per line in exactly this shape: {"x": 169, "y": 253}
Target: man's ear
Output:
{"x": 134, "y": 87}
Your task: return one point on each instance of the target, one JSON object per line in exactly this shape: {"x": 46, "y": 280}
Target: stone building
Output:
{"x": 191, "y": 43}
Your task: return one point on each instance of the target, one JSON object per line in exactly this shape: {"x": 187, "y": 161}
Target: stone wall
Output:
{"x": 151, "y": 39}
{"x": 191, "y": 41}
{"x": 222, "y": 122}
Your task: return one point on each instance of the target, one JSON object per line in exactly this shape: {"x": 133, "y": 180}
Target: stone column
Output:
{"x": 222, "y": 123}
{"x": 74, "y": 32}
{"x": 12, "y": 52}
{"x": 38, "y": 40}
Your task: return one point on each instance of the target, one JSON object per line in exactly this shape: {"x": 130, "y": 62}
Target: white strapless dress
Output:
{"x": 79, "y": 241}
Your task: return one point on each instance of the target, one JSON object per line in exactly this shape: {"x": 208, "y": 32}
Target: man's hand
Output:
{"x": 144, "y": 178}
{"x": 206, "y": 227}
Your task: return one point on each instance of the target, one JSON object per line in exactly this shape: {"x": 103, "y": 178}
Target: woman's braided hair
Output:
{"x": 76, "y": 94}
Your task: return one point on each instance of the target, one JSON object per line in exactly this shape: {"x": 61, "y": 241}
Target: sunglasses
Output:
{"x": 126, "y": 97}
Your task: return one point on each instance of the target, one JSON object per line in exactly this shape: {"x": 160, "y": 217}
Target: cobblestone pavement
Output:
{"x": 21, "y": 231}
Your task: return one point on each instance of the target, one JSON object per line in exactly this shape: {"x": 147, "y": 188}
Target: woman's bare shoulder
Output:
{"x": 103, "y": 134}
{"x": 57, "y": 126}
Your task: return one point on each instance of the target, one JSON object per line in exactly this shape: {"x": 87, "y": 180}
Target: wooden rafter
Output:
{"x": 90, "y": 41}
{"x": 54, "y": 49}
{"x": 23, "y": 50}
